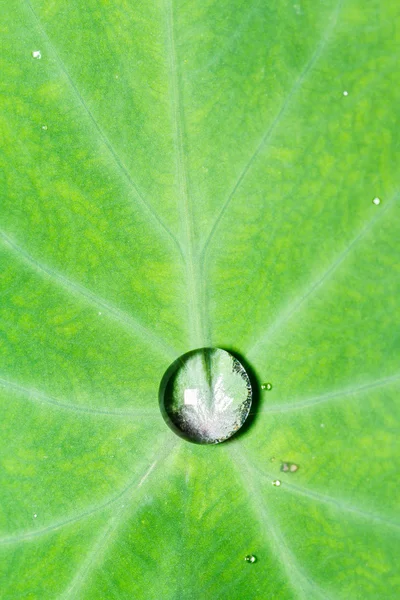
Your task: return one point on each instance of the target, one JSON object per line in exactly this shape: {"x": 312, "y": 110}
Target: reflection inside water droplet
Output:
{"x": 250, "y": 558}
{"x": 205, "y": 396}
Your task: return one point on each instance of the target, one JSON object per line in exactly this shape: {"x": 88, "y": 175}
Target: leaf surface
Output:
{"x": 180, "y": 175}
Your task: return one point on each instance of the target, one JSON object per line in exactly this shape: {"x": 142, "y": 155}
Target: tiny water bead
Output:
{"x": 376, "y": 201}
{"x": 205, "y": 396}
{"x": 276, "y": 483}
{"x": 345, "y": 93}
{"x": 289, "y": 467}
{"x": 36, "y": 54}
{"x": 266, "y": 386}
{"x": 250, "y": 558}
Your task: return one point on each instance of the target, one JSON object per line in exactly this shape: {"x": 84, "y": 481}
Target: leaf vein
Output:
{"x": 122, "y": 168}
{"x": 76, "y": 289}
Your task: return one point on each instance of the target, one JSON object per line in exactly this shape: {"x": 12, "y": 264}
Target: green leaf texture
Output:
{"x": 180, "y": 174}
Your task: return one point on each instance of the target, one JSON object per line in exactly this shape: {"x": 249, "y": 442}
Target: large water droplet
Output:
{"x": 205, "y": 395}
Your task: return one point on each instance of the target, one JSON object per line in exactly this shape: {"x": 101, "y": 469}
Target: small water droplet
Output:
{"x": 205, "y": 395}
{"x": 291, "y": 467}
{"x": 266, "y": 386}
{"x": 376, "y": 201}
{"x": 34, "y": 516}
{"x": 250, "y": 558}
{"x": 345, "y": 93}
{"x": 322, "y": 425}
{"x": 276, "y": 483}
{"x": 99, "y": 313}
{"x": 44, "y": 127}
{"x": 37, "y": 54}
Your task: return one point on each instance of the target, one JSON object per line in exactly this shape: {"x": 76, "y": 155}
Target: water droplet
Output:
{"x": 322, "y": 425}
{"x": 205, "y": 396}
{"x": 376, "y": 201}
{"x": 291, "y": 467}
{"x": 34, "y": 516}
{"x": 37, "y": 54}
{"x": 99, "y": 313}
{"x": 44, "y": 127}
{"x": 345, "y": 93}
{"x": 276, "y": 483}
{"x": 266, "y": 386}
{"x": 250, "y": 558}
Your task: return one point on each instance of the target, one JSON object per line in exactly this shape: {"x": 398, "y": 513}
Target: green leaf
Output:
{"x": 187, "y": 174}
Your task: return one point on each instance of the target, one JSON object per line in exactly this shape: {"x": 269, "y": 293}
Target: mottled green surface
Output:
{"x": 187, "y": 174}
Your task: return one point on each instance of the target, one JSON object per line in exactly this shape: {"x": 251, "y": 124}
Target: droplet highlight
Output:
{"x": 276, "y": 483}
{"x": 44, "y": 127}
{"x": 376, "y": 201}
{"x": 36, "y": 54}
{"x": 205, "y": 396}
{"x": 250, "y": 558}
{"x": 345, "y": 93}
{"x": 266, "y": 386}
